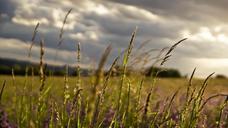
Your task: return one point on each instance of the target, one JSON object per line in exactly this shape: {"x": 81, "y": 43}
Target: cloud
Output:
{"x": 14, "y": 48}
{"x": 190, "y": 11}
{"x": 96, "y": 24}
{"x": 7, "y": 7}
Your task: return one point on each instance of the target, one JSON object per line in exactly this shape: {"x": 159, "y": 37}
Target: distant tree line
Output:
{"x": 50, "y": 70}
{"x": 151, "y": 71}
{"x": 220, "y": 76}
{"x": 21, "y": 70}
{"x": 162, "y": 72}
{"x": 19, "y": 67}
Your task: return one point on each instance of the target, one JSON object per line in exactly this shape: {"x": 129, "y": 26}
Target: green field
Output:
{"x": 164, "y": 86}
{"x": 20, "y": 100}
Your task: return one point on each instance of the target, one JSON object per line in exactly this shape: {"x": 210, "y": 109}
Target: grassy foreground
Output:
{"x": 62, "y": 106}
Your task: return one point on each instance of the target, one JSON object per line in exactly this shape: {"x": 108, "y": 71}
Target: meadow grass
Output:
{"x": 137, "y": 101}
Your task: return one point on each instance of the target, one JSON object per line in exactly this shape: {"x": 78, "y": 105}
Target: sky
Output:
{"x": 97, "y": 24}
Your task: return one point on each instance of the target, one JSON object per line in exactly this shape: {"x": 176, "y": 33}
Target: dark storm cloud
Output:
{"x": 7, "y": 7}
{"x": 11, "y": 30}
{"x": 113, "y": 25}
{"x": 206, "y": 11}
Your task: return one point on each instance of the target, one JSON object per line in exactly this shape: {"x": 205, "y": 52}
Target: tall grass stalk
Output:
{"x": 42, "y": 84}
{"x": 110, "y": 71}
{"x": 125, "y": 61}
{"x": 97, "y": 96}
{"x": 2, "y": 89}
{"x": 42, "y": 75}
{"x": 33, "y": 39}
{"x": 221, "y": 109}
{"x": 78, "y": 66}
{"x": 61, "y": 34}
{"x": 138, "y": 102}
{"x": 99, "y": 71}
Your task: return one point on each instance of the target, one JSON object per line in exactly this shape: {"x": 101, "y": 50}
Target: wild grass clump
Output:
{"x": 107, "y": 101}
